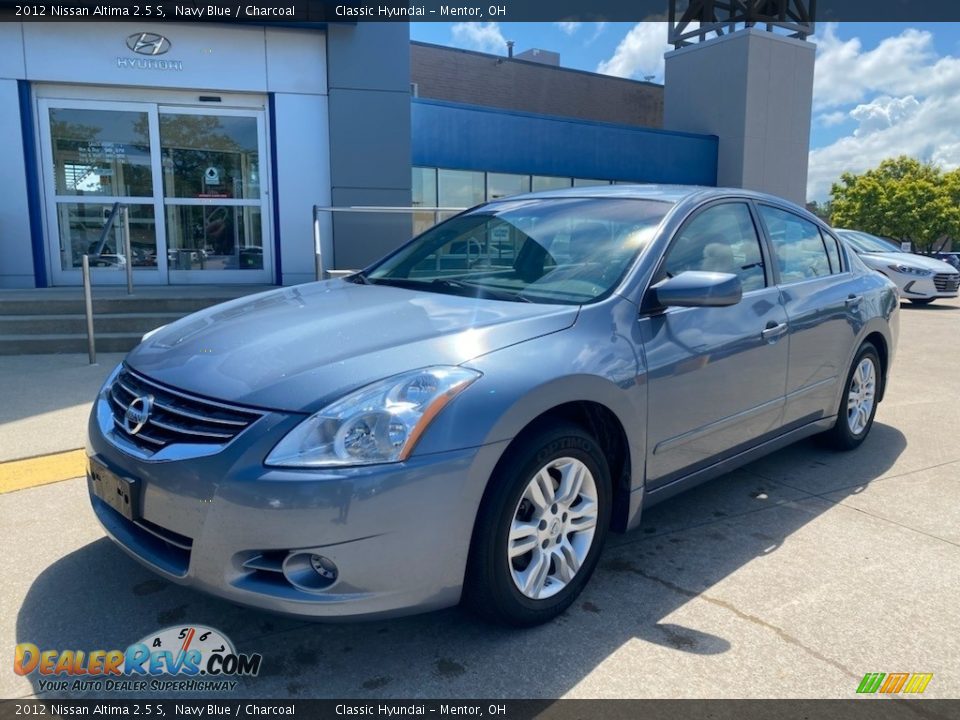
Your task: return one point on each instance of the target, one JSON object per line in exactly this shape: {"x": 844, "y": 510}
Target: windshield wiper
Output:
{"x": 464, "y": 288}
{"x": 491, "y": 293}
{"x": 358, "y": 278}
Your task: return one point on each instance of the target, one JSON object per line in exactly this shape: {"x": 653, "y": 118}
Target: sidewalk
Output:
{"x": 46, "y": 401}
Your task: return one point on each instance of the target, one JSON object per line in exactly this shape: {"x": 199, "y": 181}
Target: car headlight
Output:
{"x": 909, "y": 270}
{"x": 379, "y": 423}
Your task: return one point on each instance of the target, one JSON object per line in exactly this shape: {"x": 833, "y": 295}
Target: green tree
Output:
{"x": 902, "y": 198}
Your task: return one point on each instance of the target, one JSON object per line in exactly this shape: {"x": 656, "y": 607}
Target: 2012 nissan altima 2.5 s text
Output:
{"x": 468, "y": 418}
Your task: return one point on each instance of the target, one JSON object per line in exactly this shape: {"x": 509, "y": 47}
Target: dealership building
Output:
{"x": 219, "y": 140}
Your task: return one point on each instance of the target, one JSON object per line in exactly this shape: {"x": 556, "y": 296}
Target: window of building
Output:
{"x": 546, "y": 182}
{"x": 424, "y": 187}
{"x": 722, "y": 238}
{"x": 460, "y": 188}
{"x": 500, "y": 185}
{"x": 801, "y": 254}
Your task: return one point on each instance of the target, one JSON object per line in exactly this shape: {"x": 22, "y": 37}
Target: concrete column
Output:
{"x": 754, "y": 91}
{"x": 368, "y": 76}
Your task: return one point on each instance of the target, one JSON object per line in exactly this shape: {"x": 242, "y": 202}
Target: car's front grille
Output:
{"x": 946, "y": 282}
{"x": 174, "y": 416}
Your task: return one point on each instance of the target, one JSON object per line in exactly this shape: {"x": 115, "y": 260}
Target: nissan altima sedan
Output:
{"x": 920, "y": 279}
{"x": 469, "y": 417}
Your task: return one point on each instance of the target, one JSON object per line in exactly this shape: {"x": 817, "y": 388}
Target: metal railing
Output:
{"x": 124, "y": 211}
{"x": 322, "y": 272}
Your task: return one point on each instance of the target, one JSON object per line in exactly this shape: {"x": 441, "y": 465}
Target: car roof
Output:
{"x": 667, "y": 193}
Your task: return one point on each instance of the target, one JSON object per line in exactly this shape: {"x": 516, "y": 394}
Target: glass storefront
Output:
{"x": 460, "y": 188}
{"x": 191, "y": 181}
{"x": 501, "y": 185}
{"x": 439, "y": 187}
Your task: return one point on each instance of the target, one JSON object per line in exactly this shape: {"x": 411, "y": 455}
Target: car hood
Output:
{"x": 882, "y": 260}
{"x": 299, "y": 348}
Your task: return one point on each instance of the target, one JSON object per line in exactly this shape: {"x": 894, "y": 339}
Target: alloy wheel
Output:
{"x": 553, "y": 528}
{"x": 861, "y": 395}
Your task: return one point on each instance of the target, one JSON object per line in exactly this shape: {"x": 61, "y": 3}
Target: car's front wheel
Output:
{"x": 858, "y": 406}
{"x": 541, "y": 527}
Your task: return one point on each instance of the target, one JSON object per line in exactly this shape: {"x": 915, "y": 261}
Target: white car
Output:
{"x": 920, "y": 279}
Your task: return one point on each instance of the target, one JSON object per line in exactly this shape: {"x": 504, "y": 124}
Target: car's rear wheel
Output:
{"x": 858, "y": 406}
{"x": 922, "y": 301}
{"x": 541, "y": 527}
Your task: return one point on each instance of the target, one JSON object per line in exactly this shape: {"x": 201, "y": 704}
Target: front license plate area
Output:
{"x": 122, "y": 494}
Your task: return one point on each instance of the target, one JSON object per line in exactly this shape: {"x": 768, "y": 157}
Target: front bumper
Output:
{"x": 399, "y": 534}
{"x": 939, "y": 286}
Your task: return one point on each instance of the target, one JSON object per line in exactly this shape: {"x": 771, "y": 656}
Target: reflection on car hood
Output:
{"x": 298, "y": 348}
{"x": 882, "y": 260}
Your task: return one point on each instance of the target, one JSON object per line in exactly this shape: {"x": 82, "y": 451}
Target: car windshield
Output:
{"x": 562, "y": 250}
{"x": 864, "y": 242}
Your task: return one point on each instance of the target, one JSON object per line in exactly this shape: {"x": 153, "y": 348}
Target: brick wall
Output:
{"x": 443, "y": 73}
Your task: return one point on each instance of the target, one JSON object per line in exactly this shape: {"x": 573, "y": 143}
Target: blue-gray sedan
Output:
{"x": 470, "y": 416}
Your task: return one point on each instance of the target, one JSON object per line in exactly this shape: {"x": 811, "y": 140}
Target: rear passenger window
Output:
{"x": 799, "y": 248}
{"x": 833, "y": 252}
{"x": 722, "y": 238}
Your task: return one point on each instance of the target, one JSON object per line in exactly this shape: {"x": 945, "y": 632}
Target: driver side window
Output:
{"x": 722, "y": 238}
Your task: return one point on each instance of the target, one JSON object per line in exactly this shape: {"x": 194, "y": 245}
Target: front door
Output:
{"x": 191, "y": 180}
{"x": 717, "y": 375}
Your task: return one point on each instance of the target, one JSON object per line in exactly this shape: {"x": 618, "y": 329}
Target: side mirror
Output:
{"x": 697, "y": 288}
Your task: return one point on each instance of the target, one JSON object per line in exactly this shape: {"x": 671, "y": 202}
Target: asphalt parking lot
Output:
{"x": 792, "y": 577}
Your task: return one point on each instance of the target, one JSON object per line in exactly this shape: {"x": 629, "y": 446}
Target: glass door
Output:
{"x": 98, "y": 154}
{"x": 214, "y": 194}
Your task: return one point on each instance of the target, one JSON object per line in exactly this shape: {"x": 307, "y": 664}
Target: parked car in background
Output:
{"x": 426, "y": 431}
{"x": 951, "y": 258}
{"x": 920, "y": 279}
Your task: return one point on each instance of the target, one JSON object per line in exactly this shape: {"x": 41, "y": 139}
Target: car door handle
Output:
{"x": 853, "y": 301}
{"x": 773, "y": 331}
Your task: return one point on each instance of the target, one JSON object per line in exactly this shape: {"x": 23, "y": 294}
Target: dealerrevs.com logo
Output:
{"x": 201, "y": 658}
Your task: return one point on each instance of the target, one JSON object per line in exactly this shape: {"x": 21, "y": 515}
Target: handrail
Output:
{"x": 88, "y": 305}
{"x": 322, "y": 272}
{"x": 121, "y": 209}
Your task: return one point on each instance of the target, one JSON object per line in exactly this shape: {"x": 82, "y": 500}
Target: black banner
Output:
{"x": 351, "y": 11}
{"x": 858, "y": 709}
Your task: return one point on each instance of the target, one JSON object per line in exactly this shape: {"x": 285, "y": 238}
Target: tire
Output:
{"x": 922, "y": 301}
{"x": 552, "y": 541}
{"x": 854, "y": 418}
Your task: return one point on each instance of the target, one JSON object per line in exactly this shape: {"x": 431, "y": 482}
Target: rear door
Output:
{"x": 716, "y": 375}
{"x": 823, "y": 313}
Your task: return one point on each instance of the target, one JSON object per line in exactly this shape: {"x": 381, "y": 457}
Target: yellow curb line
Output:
{"x": 43, "y": 470}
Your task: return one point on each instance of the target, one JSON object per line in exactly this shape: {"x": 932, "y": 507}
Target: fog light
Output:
{"x": 309, "y": 572}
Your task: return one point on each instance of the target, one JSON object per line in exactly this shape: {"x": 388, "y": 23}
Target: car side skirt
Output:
{"x": 681, "y": 484}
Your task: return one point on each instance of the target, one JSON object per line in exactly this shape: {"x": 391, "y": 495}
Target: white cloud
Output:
{"x": 845, "y": 73}
{"x": 479, "y": 36}
{"x": 904, "y": 99}
{"x": 598, "y": 29}
{"x": 568, "y": 27}
{"x": 832, "y": 118}
{"x": 883, "y": 112}
{"x": 640, "y": 53}
{"x": 924, "y": 129}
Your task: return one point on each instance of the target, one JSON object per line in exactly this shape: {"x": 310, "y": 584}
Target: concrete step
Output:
{"x": 76, "y": 324}
{"x": 51, "y": 344}
{"x": 113, "y": 305}
{"x": 52, "y": 320}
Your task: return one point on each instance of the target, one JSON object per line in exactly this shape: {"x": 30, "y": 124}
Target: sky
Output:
{"x": 880, "y": 89}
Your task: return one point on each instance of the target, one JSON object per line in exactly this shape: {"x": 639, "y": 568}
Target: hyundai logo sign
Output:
{"x": 146, "y": 43}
